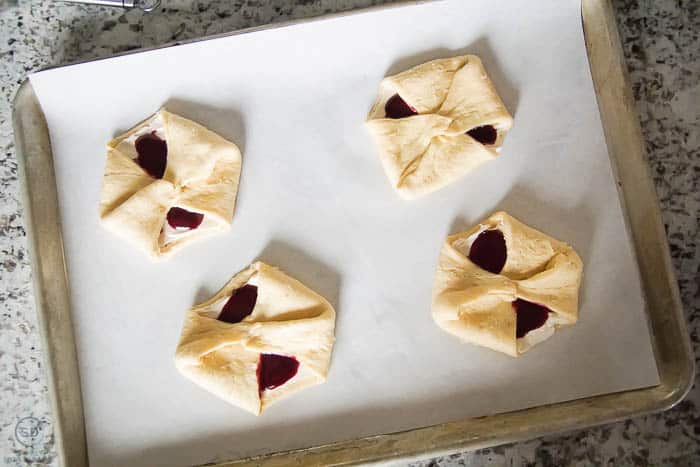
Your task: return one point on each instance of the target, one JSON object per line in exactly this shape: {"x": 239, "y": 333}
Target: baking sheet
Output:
{"x": 314, "y": 201}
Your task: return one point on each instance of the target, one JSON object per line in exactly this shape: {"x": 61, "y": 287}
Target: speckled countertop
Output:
{"x": 662, "y": 48}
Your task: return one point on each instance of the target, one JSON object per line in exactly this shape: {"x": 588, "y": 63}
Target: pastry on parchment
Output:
{"x": 261, "y": 338}
{"x": 505, "y": 285}
{"x": 436, "y": 122}
{"x": 169, "y": 181}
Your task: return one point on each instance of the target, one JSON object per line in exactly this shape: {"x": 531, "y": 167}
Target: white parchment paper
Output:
{"x": 314, "y": 200}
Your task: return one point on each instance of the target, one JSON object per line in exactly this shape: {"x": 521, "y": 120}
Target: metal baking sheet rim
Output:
{"x": 643, "y": 217}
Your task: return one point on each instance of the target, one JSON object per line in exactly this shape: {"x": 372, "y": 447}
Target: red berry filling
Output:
{"x": 275, "y": 370}
{"x": 529, "y": 316}
{"x": 486, "y": 134}
{"x": 396, "y": 107}
{"x": 489, "y": 251}
{"x": 152, "y": 154}
{"x": 239, "y": 305}
{"x": 184, "y": 219}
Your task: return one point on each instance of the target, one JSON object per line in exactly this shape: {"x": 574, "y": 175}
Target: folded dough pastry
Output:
{"x": 169, "y": 181}
{"x": 505, "y": 285}
{"x": 436, "y": 122}
{"x": 261, "y": 338}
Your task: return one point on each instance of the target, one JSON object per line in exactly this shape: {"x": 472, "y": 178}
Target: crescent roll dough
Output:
{"x": 453, "y": 101}
{"x": 288, "y": 320}
{"x": 539, "y": 280}
{"x": 200, "y": 177}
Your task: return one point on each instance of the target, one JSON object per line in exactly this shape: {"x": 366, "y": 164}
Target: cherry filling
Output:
{"x": 489, "y": 251}
{"x": 152, "y": 154}
{"x": 529, "y": 316}
{"x": 484, "y": 134}
{"x": 239, "y": 305}
{"x": 398, "y": 108}
{"x": 275, "y": 370}
{"x": 184, "y": 219}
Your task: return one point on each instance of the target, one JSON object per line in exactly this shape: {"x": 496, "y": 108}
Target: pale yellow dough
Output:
{"x": 288, "y": 319}
{"x": 476, "y": 305}
{"x": 201, "y": 175}
{"x": 425, "y": 152}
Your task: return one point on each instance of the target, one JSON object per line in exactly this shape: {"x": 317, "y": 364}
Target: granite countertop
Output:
{"x": 662, "y": 50}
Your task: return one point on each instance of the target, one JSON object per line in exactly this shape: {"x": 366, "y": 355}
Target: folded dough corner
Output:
{"x": 261, "y": 338}
{"x": 168, "y": 181}
{"x": 505, "y": 286}
{"x": 436, "y": 122}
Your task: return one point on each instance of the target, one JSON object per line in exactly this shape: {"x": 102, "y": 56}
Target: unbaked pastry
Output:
{"x": 261, "y": 338}
{"x": 169, "y": 181}
{"x": 435, "y": 122}
{"x": 505, "y": 285}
